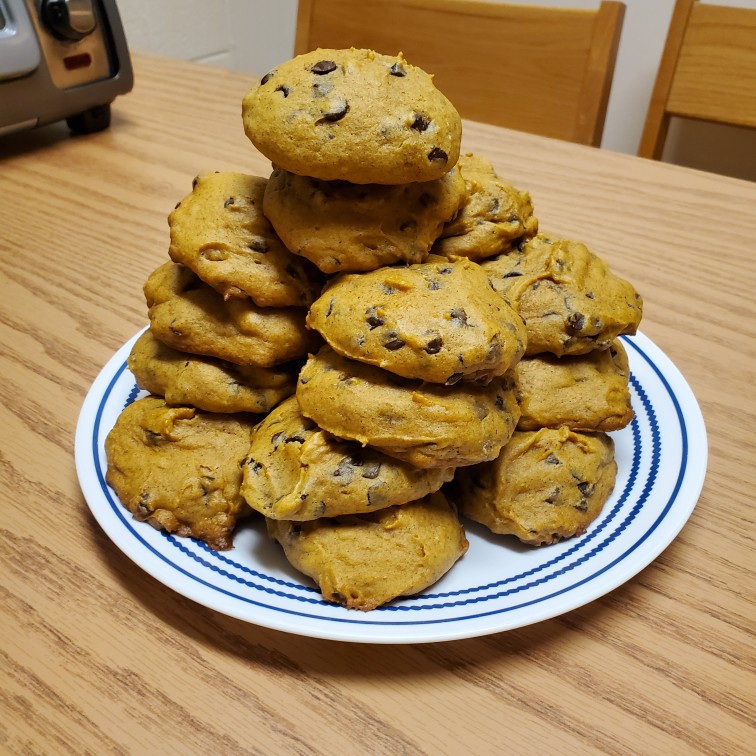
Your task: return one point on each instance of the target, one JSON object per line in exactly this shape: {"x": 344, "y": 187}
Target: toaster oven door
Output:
{"x": 19, "y": 49}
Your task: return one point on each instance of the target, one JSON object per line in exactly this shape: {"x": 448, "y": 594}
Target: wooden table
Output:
{"x": 99, "y": 657}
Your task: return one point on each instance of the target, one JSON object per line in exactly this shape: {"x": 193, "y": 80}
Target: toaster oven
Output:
{"x": 61, "y": 59}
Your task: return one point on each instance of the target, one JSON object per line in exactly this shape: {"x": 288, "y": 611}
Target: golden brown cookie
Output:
{"x": 494, "y": 218}
{"x": 425, "y": 424}
{"x": 588, "y": 392}
{"x": 353, "y": 115}
{"x": 179, "y": 468}
{"x": 363, "y": 561}
{"x": 437, "y": 321}
{"x": 545, "y": 486}
{"x": 356, "y": 227}
{"x": 295, "y": 471}
{"x": 220, "y": 232}
{"x": 208, "y": 384}
{"x": 569, "y": 299}
{"x": 191, "y": 316}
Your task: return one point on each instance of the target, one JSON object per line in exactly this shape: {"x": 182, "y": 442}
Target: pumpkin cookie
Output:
{"x": 208, "y": 384}
{"x": 363, "y": 561}
{"x": 494, "y": 218}
{"x": 220, "y": 232}
{"x": 545, "y": 486}
{"x": 425, "y": 424}
{"x": 437, "y": 321}
{"x": 569, "y": 299}
{"x": 351, "y": 227}
{"x": 353, "y": 115}
{"x": 191, "y": 316}
{"x": 295, "y": 471}
{"x": 179, "y": 469}
{"x": 587, "y": 393}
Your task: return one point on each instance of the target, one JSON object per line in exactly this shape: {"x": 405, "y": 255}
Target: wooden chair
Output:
{"x": 707, "y": 71}
{"x": 543, "y": 70}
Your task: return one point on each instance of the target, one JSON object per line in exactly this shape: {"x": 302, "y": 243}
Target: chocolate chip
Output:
{"x": 338, "y": 110}
{"x": 582, "y": 506}
{"x": 438, "y": 154}
{"x": 585, "y": 488}
{"x": 323, "y": 67}
{"x": 276, "y": 438}
{"x": 371, "y": 470}
{"x": 552, "y": 459}
{"x": 454, "y": 378}
{"x": 268, "y": 76}
{"x": 421, "y": 123}
{"x": 494, "y": 206}
{"x": 374, "y": 321}
{"x": 387, "y": 288}
{"x": 576, "y": 321}
{"x": 459, "y": 316}
{"x": 445, "y": 270}
{"x": 397, "y": 69}
{"x": 481, "y": 411}
{"x": 283, "y": 89}
{"x": 330, "y": 308}
{"x": 258, "y": 245}
{"x": 553, "y": 496}
{"x": 373, "y": 494}
{"x": 434, "y": 285}
{"x": 229, "y": 201}
{"x": 295, "y": 439}
{"x": 393, "y": 344}
{"x": 177, "y": 206}
{"x": 499, "y": 402}
{"x": 434, "y": 345}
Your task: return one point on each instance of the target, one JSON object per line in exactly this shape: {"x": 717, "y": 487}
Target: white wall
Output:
{"x": 255, "y": 35}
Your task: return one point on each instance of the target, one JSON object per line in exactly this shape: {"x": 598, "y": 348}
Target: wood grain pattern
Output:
{"x": 707, "y": 71}
{"x": 98, "y": 657}
{"x": 546, "y": 71}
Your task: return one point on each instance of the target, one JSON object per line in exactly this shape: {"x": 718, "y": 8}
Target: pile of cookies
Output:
{"x": 371, "y": 342}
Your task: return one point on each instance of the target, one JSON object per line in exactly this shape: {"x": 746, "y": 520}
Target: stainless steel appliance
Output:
{"x": 61, "y": 59}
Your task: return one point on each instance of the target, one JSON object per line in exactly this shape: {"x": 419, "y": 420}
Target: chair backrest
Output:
{"x": 707, "y": 71}
{"x": 543, "y": 70}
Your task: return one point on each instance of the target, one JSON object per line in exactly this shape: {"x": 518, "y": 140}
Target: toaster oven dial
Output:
{"x": 69, "y": 20}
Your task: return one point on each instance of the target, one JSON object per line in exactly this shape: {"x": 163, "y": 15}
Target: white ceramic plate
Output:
{"x": 498, "y": 585}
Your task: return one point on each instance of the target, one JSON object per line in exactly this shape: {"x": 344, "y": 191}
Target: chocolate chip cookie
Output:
{"x": 363, "y": 561}
{"x": 220, "y": 232}
{"x": 437, "y": 321}
{"x": 588, "y": 392}
{"x": 295, "y": 471}
{"x": 357, "y": 227}
{"x": 191, "y": 316}
{"x": 545, "y": 486}
{"x": 208, "y": 384}
{"x": 179, "y": 468}
{"x": 353, "y": 115}
{"x": 494, "y": 218}
{"x": 570, "y": 300}
{"x": 425, "y": 424}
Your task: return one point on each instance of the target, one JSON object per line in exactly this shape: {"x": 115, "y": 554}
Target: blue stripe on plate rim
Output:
{"x": 414, "y": 604}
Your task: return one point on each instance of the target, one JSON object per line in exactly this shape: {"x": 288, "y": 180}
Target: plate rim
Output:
{"x": 620, "y": 569}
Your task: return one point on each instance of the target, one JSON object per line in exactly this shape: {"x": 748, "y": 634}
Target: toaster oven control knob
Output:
{"x": 69, "y": 20}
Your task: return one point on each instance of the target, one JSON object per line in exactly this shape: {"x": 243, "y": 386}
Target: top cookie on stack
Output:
{"x": 353, "y": 115}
